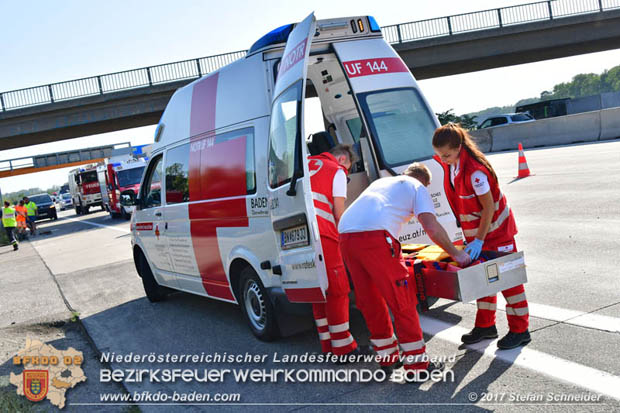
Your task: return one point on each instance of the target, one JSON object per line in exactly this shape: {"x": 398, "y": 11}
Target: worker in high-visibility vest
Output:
{"x": 32, "y": 214}
{"x": 328, "y": 180}
{"x": 9, "y": 223}
{"x": 488, "y": 223}
{"x": 21, "y": 214}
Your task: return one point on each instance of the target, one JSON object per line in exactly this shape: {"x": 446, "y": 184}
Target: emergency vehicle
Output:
{"x": 117, "y": 177}
{"x": 225, "y": 208}
{"x": 84, "y": 189}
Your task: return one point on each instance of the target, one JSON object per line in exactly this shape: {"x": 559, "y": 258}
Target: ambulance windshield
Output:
{"x": 130, "y": 177}
{"x": 402, "y": 124}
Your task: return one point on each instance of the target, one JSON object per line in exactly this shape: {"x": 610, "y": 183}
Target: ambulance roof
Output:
{"x": 353, "y": 25}
{"x": 230, "y": 95}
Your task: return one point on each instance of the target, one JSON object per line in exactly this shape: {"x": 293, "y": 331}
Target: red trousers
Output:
{"x": 381, "y": 280}
{"x": 332, "y": 317}
{"x": 517, "y": 310}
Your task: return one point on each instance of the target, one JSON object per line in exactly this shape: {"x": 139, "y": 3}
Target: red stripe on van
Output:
{"x": 205, "y": 218}
{"x": 305, "y": 295}
{"x": 216, "y": 171}
{"x": 202, "y": 116}
{"x": 376, "y": 66}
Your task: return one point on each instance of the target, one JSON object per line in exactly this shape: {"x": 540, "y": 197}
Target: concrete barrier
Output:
{"x": 580, "y": 127}
{"x": 610, "y": 123}
{"x": 483, "y": 139}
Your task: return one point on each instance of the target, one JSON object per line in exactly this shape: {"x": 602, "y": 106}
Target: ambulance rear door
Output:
{"x": 300, "y": 260}
{"x": 400, "y": 122}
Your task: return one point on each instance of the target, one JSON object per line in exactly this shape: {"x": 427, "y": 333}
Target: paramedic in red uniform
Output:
{"x": 487, "y": 223}
{"x": 329, "y": 190}
{"x": 369, "y": 232}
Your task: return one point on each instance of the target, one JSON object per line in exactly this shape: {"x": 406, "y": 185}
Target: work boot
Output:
{"x": 15, "y": 247}
{"x": 423, "y": 375}
{"x": 479, "y": 334}
{"x": 513, "y": 340}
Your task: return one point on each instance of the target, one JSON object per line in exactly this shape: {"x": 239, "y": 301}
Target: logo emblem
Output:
{"x": 315, "y": 166}
{"x": 36, "y": 384}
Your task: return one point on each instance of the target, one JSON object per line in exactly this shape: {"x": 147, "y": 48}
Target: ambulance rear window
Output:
{"x": 401, "y": 123}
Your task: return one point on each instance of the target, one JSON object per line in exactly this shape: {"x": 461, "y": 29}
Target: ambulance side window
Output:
{"x": 151, "y": 190}
{"x": 283, "y": 133}
{"x": 177, "y": 175}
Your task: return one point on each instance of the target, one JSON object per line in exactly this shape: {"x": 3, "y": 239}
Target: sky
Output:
{"x": 53, "y": 41}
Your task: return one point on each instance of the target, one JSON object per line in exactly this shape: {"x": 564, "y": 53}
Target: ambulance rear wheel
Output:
{"x": 257, "y": 307}
{"x": 154, "y": 292}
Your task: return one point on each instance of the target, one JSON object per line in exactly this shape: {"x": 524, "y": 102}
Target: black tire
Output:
{"x": 257, "y": 307}
{"x": 154, "y": 292}
{"x": 125, "y": 215}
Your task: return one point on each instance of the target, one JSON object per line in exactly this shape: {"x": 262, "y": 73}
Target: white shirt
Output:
{"x": 340, "y": 184}
{"x": 387, "y": 204}
{"x": 479, "y": 180}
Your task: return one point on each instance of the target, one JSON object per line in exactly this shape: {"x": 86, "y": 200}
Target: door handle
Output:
{"x": 158, "y": 213}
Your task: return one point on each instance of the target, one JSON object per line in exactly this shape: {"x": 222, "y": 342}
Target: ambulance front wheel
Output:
{"x": 256, "y": 306}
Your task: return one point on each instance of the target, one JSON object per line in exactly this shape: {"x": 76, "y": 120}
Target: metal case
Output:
{"x": 501, "y": 272}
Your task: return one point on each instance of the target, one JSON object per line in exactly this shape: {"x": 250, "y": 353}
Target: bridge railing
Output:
{"x": 114, "y": 82}
{"x": 494, "y": 18}
{"x": 399, "y": 33}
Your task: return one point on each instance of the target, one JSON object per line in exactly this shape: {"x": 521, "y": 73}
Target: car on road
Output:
{"x": 65, "y": 201}
{"x": 45, "y": 206}
{"x": 506, "y": 119}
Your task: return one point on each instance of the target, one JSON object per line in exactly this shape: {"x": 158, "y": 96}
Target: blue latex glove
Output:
{"x": 474, "y": 248}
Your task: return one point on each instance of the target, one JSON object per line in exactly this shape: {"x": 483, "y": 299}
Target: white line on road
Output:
{"x": 126, "y": 231}
{"x": 563, "y": 370}
{"x": 574, "y": 317}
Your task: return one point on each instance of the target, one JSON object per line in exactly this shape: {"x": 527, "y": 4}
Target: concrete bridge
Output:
{"x": 430, "y": 48}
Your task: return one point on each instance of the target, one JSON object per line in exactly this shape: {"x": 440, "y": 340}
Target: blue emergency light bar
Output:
{"x": 374, "y": 26}
{"x": 276, "y": 36}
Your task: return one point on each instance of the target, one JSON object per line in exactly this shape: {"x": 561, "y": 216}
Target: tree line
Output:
{"x": 581, "y": 85}
{"x": 12, "y": 197}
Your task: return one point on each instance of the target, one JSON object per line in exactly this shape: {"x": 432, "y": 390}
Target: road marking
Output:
{"x": 564, "y": 370}
{"x": 126, "y": 231}
{"x": 574, "y": 317}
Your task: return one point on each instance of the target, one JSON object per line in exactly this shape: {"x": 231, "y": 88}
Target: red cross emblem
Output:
{"x": 477, "y": 180}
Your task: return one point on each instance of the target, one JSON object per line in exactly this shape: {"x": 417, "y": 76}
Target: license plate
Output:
{"x": 294, "y": 237}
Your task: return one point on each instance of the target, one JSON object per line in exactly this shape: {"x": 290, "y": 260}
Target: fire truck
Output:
{"x": 117, "y": 177}
{"x": 84, "y": 189}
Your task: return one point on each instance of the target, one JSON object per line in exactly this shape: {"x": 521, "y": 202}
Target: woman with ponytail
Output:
{"x": 487, "y": 222}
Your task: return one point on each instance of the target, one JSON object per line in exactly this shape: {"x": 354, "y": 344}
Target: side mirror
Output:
{"x": 128, "y": 198}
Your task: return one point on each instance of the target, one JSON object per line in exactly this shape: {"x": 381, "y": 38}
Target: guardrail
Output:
{"x": 399, "y": 33}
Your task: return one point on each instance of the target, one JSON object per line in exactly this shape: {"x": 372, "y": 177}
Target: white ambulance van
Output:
{"x": 225, "y": 207}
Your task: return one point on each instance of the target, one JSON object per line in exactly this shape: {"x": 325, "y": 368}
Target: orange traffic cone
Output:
{"x": 524, "y": 170}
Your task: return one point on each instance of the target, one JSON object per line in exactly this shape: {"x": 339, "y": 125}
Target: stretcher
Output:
{"x": 493, "y": 272}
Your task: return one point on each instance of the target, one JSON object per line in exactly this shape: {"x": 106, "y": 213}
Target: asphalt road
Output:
{"x": 568, "y": 215}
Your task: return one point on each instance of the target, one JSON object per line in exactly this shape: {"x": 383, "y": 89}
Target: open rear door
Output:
{"x": 298, "y": 243}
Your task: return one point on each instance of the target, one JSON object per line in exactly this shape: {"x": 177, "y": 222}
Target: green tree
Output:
{"x": 466, "y": 121}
